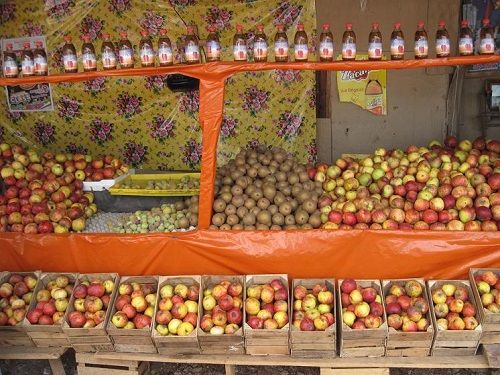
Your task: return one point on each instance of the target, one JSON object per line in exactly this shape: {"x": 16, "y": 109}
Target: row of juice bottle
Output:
{"x": 34, "y": 62}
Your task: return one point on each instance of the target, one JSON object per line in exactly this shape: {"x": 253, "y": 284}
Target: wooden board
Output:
{"x": 490, "y": 322}
{"x": 91, "y": 365}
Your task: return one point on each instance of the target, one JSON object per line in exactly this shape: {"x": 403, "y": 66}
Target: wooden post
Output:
{"x": 57, "y": 367}
{"x": 230, "y": 369}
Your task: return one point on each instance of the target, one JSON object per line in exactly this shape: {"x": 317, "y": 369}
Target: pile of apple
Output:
{"x": 312, "y": 309}
{"x": 361, "y": 307}
{"x": 222, "y": 308}
{"x": 52, "y": 302}
{"x": 452, "y": 308}
{"x": 177, "y": 312}
{"x": 454, "y": 186}
{"x": 266, "y": 305}
{"x": 91, "y": 301}
{"x": 488, "y": 285}
{"x": 15, "y": 297}
{"x": 406, "y": 307}
{"x": 134, "y": 306}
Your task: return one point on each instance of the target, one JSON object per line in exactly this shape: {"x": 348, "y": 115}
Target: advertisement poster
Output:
{"x": 27, "y": 98}
{"x": 365, "y": 88}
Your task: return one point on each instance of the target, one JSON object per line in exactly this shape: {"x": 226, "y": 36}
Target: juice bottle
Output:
{"x": 191, "y": 47}
{"x": 239, "y": 45}
{"x": 421, "y": 42}
{"x": 300, "y": 44}
{"x": 442, "y": 41}
{"x": 465, "y": 43}
{"x": 70, "y": 61}
{"x": 10, "y": 68}
{"x": 375, "y": 43}
{"x": 125, "y": 51}
{"x": 108, "y": 53}
{"x": 397, "y": 43}
{"x": 40, "y": 59}
{"x": 326, "y": 44}
{"x": 260, "y": 45}
{"x": 349, "y": 43}
{"x": 146, "y": 50}
{"x": 165, "y": 55}
{"x": 280, "y": 44}
{"x": 89, "y": 59}
{"x": 486, "y": 41}
{"x": 27, "y": 64}
{"x": 213, "y": 45}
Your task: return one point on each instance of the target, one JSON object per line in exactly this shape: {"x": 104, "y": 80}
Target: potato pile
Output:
{"x": 265, "y": 189}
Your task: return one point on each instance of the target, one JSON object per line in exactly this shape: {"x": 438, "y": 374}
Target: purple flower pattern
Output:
{"x": 189, "y": 102}
{"x": 191, "y": 152}
{"x": 100, "y": 131}
{"x": 228, "y": 127}
{"x": 220, "y": 18}
{"x": 58, "y": 8}
{"x": 287, "y": 77}
{"x": 119, "y": 6}
{"x": 286, "y": 14}
{"x": 7, "y": 12}
{"x": 44, "y": 133}
{"x": 32, "y": 29}
{"x": 152, "y": 22}
{"x": 312, "y": 152}
{"x": 72, "y": 148}
{"x": 128, "y": 105}
{"x": 95, "y": 86}
{"x": 68, "y": 108}
{"x": 255, "y": 100}
{"x": 288, "y": 125}
{"x": 92, "y": 26}
{"x": 161, "y": 129}
{"x": 15, "y": 117}
{"x": 182, "y": 3}
{"x": 156, "y": 83}
{"x": 134, "y": 154}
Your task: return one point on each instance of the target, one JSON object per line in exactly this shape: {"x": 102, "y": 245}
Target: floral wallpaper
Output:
{"x": 139, "y": 118}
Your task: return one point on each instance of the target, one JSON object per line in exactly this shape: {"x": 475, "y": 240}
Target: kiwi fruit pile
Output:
{"x": 265, "y": 189}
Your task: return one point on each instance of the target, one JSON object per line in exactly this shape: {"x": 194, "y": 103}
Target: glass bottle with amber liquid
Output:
{"x": 27, "y": 64}
{"x": 191, "y": 47}
{"x": 442, "y": 41}
{"x": 70, "y": 60}
{"x": 165, "y": 55}
{"x": 375, "y": 43}
{"x": 421, "y": 42}
{"x": 260, "y": 45}
{"x": 10, "y": 68}
{"x": 300, "y": 44}
{"x": 348, "y": 43}
{"x": 40, "y": 59}
{"x": 89, "y": 59}
{"x": 240, "y": 51}
{"x": 108, "y": 54}
{"x": 486, "y": 40}
{"x": 397, "y": 43}
{"x": 213, "y": 45}
{"x": 147, "y": 54}
{"x": 125, "y": 52}
{"x": 465, "y": 42}
{"x": 280, "y": 44}
{"x": 326, "y": 44}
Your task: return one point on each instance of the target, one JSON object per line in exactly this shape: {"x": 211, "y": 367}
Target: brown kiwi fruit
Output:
{"x": 213, "y": 227}
{"x": 269, "y": 192}
{"x": 235, "y": 174}
{"x": 232, "y": 219}
{"x": 237, "y": 201}
{"x": 252, "y": 172}
{"x": 183, "y": 222}
{"x": 285, "y": 208}
{"x": 258, "y": 184}
{"x": 218, "y": 219}
{"x": 263, "y": 203}
{"x": 241, "y": 211}
{"x": 287, "y": 190}
{"x": 315, "y": 220}
{"x": 296, "y": 189}
{"x": 225, "y": 227}
{"x": 225, "y": 189}
{"x": 289, "y": 219}
{"x": 280, "y": 176}
{"x": 249, "y": 227}
{"x": 294, "y": 204}
{"x": 303, "y": 196}
{"x": 264, "y": 217}
{"x": 236, "y": 190}
{"x": 279, "y": 198}
{"x": 249, "y": 203}
{"x": 275, "y": 227}
{"x": 301, "y": 217}
{"x": 257, "y": 194}
{"x": 272, "y": 209}
{"x": 219, "y": 205}
{"x": 249, "y": 219}
{"x": 179, "y": 205}
{"x": 303, "y": 177}
{"x": 227, "y": 180}
{"x": 290, "y": 227}
{"x": 278, "y": 219}
{"x": 193, "y": 220}
{"x": 306, "y": 226}
{"x": 261, "y": 227}
{"x": 310, "y": 206}
{"x": 255, "y": 210}
{"x": 249, "y": 190}
{"x": 293, "y": 178}
{"x": 237, "y": 227}
{"x": 242, "y": 181}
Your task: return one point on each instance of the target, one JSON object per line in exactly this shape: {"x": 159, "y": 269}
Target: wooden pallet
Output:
{"x": 89, "y": 364}
{"x": 53, "y": 355}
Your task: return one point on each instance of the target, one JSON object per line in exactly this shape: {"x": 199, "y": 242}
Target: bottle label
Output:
{"x": 147, "y": 55}
{"x": 348, "y": 50}
{"x": 40, "y": 64}
{"x": 442, "y": 46}
{"x": 421, "y": 48}
{"x": 89, "y": 61}
{"x": 465, "y": 45}
{"x": 301, "y": 51}
{"x": 126, "y": 56}
{"x": 27, "y": 66}
{"x": 397, "y": 47}
{"x": 70, "y": 61}
{"x": 109, "y": 59}
{"x": 487, "y": 45}
{"x": 240, "y": 52}
{"x": 10, "y": 67}
{"x": 192, "y": 52}
{"x": 375, "y": 103}
{"x": 165, "y": 55}
{"x": 260, "y": 49}
{"x": 326, "y": 49}
{"x": 375, "y": 50}
{"x": 213, "y": 50}
{"x": 281, "y": 49}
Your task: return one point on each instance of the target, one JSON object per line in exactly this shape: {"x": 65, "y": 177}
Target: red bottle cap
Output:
{"x": 190, "y": 29}
{"x": 105, "y": 35}
{"x": 420, "y": 24}
{"x": 86, "y": 38}
{"x": 163, "y": 31}
{"x": 280, "y": 27}
{"x": 397, "y": 25}
{"x": 144, "y": 33}
{"x": 68, "y": 39}
{"x": 123, "y": 35}
{"x": 26, "y": 45}
{"x": 348, "y": 26}
{"x": 300, "y": 26}
{"x": 260, "y": 27}
{"x": 442, "y": 24}
{"x": 326, "y": 26}
{"x": 375, "y": 25}
{"x": 39, "y": 44}
{"x": 486, "y": 21}
{"x": 9, "y": 46}
{"x": 211, "y": 29}
{"x": 239, "y": 28}
{"x": 465, "y": 23}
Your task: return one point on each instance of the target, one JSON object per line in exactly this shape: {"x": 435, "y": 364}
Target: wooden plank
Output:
{"x": 31, "y": 353}
{"x": 82, "y": 358}
{"x": 492, "y": 353}
{"x": 230, "y": 369}
{"x": 57, "y": 367}
{"x": 353, "y": 371}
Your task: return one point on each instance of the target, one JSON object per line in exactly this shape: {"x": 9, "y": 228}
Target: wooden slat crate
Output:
{"x": 91, "y": 340}
{"x": 364, "y": 342}
{"x": 221, "y": 344}
{"x": 267, "y": 341}
{"x": 409, "y": 344}
{"x": 173, "y": 344}
{"x": 17, "y": 335}
{"x": 133, "y": 340}
{"x": 44, "y": 335}
{"x": 88, "y": 364}
{"x": 490, "y": 322}
{"x": 315, "y": 344}
{"x": 449, "y": 342}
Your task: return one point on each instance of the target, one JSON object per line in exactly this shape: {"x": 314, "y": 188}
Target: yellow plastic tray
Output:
{"x": 143, "y": 179}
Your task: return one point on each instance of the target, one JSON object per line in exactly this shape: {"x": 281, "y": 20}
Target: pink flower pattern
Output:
{"x": 287, "y": 77}
{"x": 156, "y": 83}
{"x": 287, "y": 13}
{"x": 228, "y": 127}
{"x": 289, "y": 125}
{"x": 56, "y": 57}
{"x": 161, "y": 129}
{"x": 182, "y": 3}
{"x": 189, "y": 102}
{"x": 192, "y": 153}
{"x": 255, "y": 100}
{"x": 134, "y": 153}
{"x": 7, "y": 12}
{"x": 44, "y": 133}
{"x": 312, "y": 152}
{"x": 119, "y": 6}
{"x": 100, "y": 131}
{"x": 128, "y": 105}
{"x": 15, "y": 117}
{"x": 311, "y": 95}
{"x": 58, "y": 8}
{"x": 95, "y": 86}
{"x": 72, "y": 148}
{"x": 92, "y": 26}
{"x": 152, "y": 22}
{"x": 68, "y": 108}
{"x": 218, "y": 17}
{"x": 32, "y": 29}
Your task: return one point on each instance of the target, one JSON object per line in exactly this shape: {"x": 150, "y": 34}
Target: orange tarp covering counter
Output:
{"x": 313, "y": 253}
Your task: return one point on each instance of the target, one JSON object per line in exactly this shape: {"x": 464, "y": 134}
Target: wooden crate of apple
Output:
{"x": 364, "y": 327}
{"x": 410, "y": 330}
{"x": 313, "y": 330}
{"x": 88, "y": 312}
{"x": 132, "y": 316}
{"x": 486, "y": 289}
{"x": 267, "y": 320}
{"x": 220, "y": 330}
{"x": 176, "y": 315}
{"x": 454, "y": 316}
{"x": 47, "y": 311}
{"x": 16, "y": 294}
